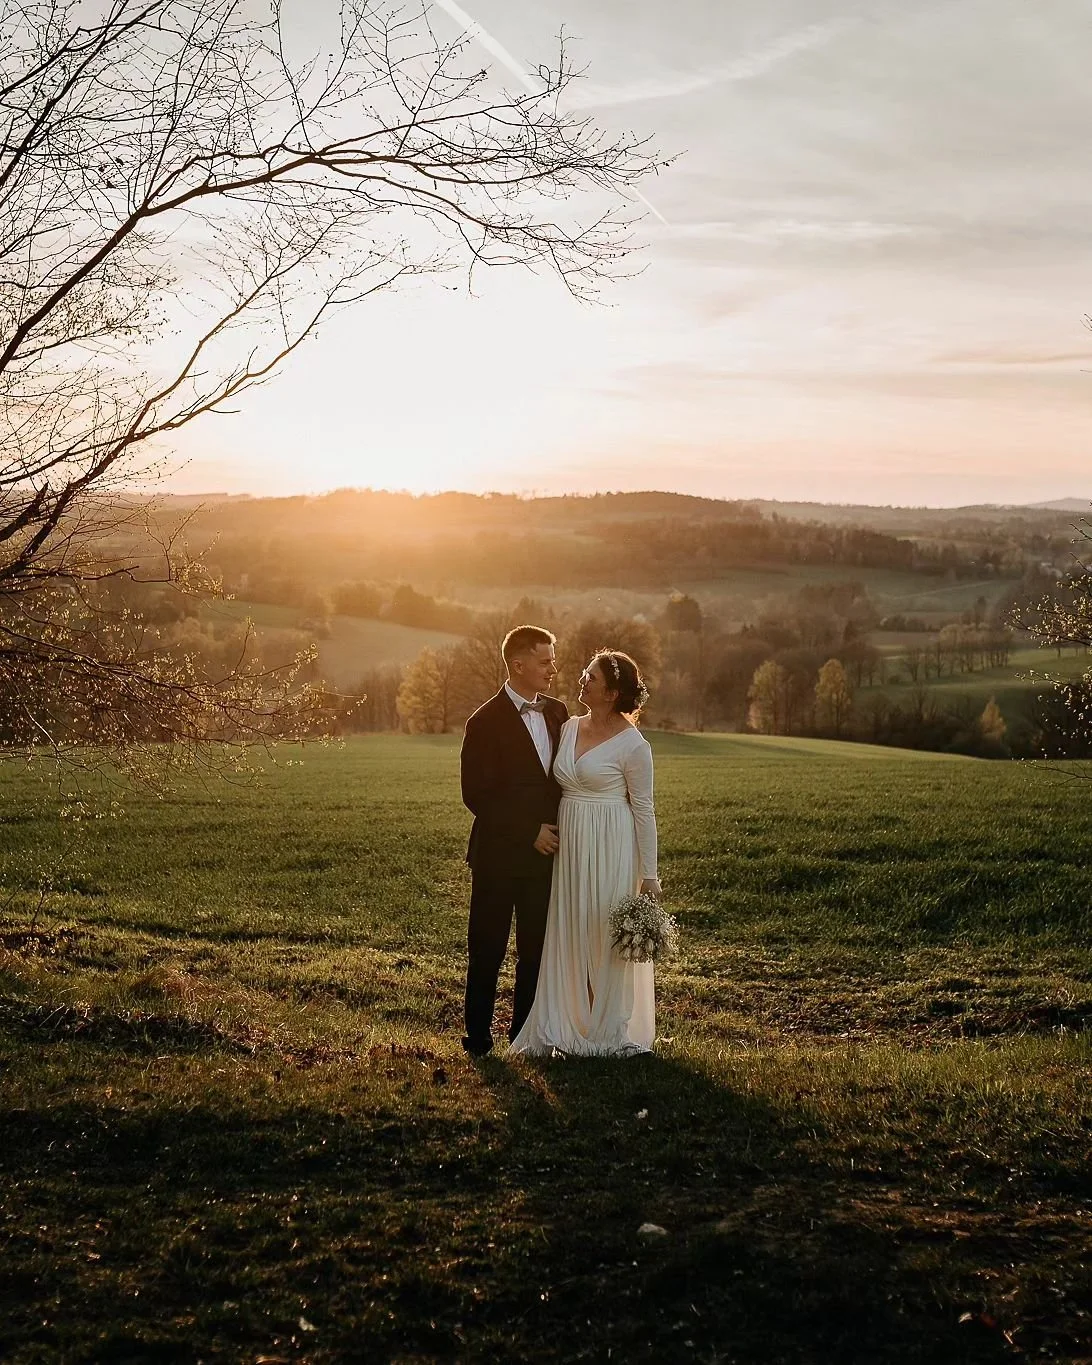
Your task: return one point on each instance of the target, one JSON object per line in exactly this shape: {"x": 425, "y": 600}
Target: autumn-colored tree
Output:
{"x": 420, "y": 699}
{"x": 730, "y": 682}
{"x": 426, "y": 698}
{"x": 833, "y": 697}
{"x": 992, "y": 730}
{"x": 768, "y": 698}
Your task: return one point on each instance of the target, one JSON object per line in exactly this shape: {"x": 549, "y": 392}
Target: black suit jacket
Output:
{"x": 506, "y": 787}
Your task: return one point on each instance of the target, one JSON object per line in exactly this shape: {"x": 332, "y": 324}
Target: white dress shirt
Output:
{"x": 536, "y": 725}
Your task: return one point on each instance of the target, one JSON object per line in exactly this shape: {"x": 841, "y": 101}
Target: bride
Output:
{"x": 590, "y": 1001}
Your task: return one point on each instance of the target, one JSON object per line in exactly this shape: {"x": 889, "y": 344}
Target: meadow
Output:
{"x": 237, "y": 1123}
{"x": 737, "y": 594}
{"x": 1017, "y": 686}
{"x": 348, "y": 648}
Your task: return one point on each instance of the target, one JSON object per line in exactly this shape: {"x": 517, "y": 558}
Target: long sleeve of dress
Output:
{"x": 637, "y": 767}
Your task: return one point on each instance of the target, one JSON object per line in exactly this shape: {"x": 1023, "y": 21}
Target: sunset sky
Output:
{"x": 871, "y": 284}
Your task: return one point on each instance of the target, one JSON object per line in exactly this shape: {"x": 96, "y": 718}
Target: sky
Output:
{"x": 866, "y": 279}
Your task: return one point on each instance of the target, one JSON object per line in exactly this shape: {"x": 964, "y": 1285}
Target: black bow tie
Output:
{"x": 537, "y": 705}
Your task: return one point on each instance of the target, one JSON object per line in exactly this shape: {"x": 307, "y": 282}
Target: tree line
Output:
{"x": 312, "y": 551}
{"x": 804, "y": 667}
{"x": 292, "y": 568}
{"x": 370, "y": 533}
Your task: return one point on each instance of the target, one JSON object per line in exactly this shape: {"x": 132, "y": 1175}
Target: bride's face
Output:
{"x": 593, "y": 687}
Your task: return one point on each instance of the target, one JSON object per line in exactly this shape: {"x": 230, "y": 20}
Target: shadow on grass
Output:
{"x": 133, "y": 1029}
{"x": 760, "y": 1257}
{"x": 492, "y": 1214}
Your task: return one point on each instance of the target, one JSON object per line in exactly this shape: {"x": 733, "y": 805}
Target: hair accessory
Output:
{"x": 612, "y": 664}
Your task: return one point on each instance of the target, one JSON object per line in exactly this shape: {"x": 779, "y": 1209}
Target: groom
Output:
{"x": 506, "y": 767}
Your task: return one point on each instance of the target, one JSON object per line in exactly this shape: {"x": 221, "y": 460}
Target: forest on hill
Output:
{"x": 280, "y": 549}
{"x": 746, "y": 616}
{"x": 393, "y": 607}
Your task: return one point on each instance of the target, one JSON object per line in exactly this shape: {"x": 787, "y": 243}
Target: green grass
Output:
{"x": 353, "y": 644}
{"x": 740, "y": 591}
{"x": 918, "y": 596}
{"x": 1016, "y": 686}
{"x": 236, "y": 1121}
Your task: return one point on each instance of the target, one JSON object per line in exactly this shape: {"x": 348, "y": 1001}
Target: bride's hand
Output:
{"x": 651, "y": 887}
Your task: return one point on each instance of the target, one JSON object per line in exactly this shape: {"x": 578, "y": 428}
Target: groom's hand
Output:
{"x": 547, "y": 841}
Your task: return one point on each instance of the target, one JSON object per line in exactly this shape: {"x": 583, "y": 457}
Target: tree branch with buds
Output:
{"x": 182, "y": 201}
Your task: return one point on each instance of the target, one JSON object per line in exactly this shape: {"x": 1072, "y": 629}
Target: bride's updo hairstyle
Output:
{"x": 621, "y": 675}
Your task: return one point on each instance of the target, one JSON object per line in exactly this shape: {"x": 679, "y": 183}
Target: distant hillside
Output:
{"x": 350, "y": 551}
{"x": 920, "y": 520}
{"x": 1063, "y": 505}
{"x": 416, "y": 514}
{"x": 408, "y": 513}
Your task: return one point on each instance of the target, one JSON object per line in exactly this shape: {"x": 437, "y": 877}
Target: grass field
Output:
{"x": 237, "y": 1125}
{"x": 353, "y": 644}
{"x": 1016, "y": 687}
{"x": 737, "y": 592}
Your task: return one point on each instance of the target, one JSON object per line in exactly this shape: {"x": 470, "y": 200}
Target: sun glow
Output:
{"x": 807, "y": 326}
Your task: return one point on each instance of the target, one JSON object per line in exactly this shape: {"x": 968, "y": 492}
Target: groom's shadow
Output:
{"x": 755, "y": 1252}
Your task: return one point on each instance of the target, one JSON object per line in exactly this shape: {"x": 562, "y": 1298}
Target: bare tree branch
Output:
{"x": 183, "y": 198}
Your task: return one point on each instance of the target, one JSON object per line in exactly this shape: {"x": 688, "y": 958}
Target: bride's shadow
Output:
{"x": 696, "y": 1218}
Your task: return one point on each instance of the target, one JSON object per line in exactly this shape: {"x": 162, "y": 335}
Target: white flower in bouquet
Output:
{"x": 642, "y": 930}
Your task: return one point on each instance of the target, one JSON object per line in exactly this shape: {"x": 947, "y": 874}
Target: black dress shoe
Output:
{"x": 478, "y": 1047}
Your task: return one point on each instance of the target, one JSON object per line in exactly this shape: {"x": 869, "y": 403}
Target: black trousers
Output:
{"x": 494, "y": 899}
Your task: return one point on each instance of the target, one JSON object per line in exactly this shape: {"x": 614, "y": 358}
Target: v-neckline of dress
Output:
{"x": 576, "y": 731}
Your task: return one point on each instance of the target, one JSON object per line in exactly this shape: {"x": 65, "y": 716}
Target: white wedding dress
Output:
{"x": 590, "y": 1001}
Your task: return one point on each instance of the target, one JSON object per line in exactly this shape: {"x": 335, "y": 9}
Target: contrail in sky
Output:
{"x": 748, "y": 67}
{"x": 501, "y": 54}
{"x": 486, "y": 40}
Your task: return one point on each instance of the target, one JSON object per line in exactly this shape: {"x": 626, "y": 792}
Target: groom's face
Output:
{"x": 537, "y": 668}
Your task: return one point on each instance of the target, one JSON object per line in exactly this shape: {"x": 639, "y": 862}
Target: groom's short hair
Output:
{"x": 523, "y": 639}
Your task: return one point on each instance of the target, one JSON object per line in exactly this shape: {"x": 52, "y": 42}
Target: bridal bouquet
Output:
{"x": 642, "y": 930}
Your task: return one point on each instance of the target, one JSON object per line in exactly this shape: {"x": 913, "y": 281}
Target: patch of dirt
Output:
{"x": 136, "y": 1029}
{"x": 38, "y": 942}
